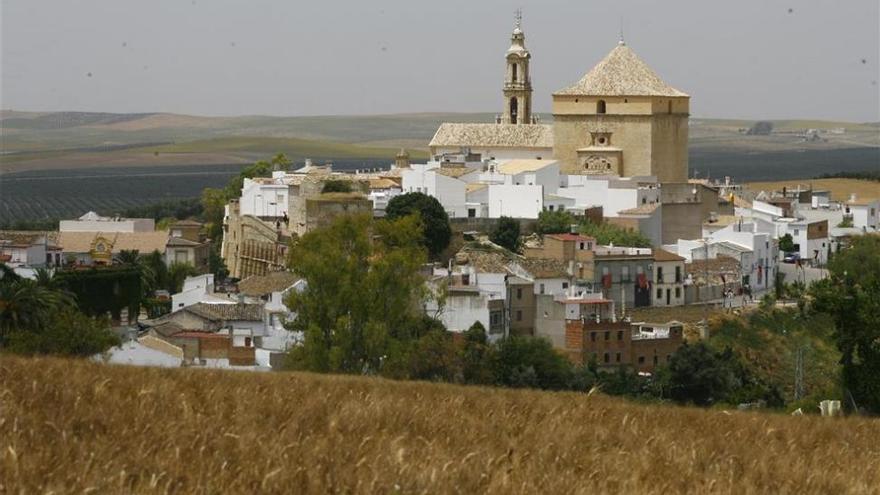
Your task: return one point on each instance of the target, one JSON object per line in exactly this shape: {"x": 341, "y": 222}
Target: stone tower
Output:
{"x": 622, "y": 119}
{"x": 517, "y": 82}
{"x": 401, "y": 160}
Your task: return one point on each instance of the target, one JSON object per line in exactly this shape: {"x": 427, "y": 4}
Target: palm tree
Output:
{"x": 25, "y": 305}
{"x": 128, "y": 257}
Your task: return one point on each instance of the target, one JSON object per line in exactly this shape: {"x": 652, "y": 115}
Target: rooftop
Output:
{"x": 454, "y": 172}
{"x": 645, "y": 209}
{"x": 621, "y": 73}
{"x": 261, "y": 285}
{"x": 512, "y": 167}
{"x": 663, "y": 255}
{"x": 571, "y": 237}
{"x": 143, "y": 242}
{"x": 227, "y": 311}
{"x": 494, "y": 135}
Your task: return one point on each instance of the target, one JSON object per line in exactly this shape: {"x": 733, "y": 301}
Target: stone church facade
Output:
{"x": 619, "y": 119}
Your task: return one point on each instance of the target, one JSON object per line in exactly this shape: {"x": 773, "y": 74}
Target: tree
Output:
{"x": 506, "y": 234}
{"x": 760, "y": 128}
{"x": 698, "y": 375}
{"x": 531, "y": 362}
{"x": 177, "y": 274}
{"x": 852, "y": 297}
{"x": 476, "y": 356}
{"x": 786, "y": 244}
{"x": 554, "y": 222}
{"x": 343, "y": 186}
{"x": 363, "y": 293}
{"x": 436, "y": 232}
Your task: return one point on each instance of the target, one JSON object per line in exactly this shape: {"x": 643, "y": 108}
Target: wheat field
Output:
{"x": 78, "y": 427}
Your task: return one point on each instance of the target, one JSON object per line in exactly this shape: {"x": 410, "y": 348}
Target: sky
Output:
{"x": 752, "y": 59}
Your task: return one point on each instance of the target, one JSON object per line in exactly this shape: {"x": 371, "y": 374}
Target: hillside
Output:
{"x": 73, "y": 427}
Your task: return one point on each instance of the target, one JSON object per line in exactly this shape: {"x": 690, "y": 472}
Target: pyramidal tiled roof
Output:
{"x": 621, "y": 73}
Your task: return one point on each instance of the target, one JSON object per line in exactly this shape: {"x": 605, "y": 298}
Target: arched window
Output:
{"x": 600, "y": 106}
{"x": 513, "y": 110}
{"x": 514, "y": 69}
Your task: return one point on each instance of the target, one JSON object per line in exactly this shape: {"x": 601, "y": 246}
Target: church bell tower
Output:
{"x": 517, "y": 82}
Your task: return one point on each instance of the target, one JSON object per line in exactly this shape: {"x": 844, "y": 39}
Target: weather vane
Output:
{"x": 517, "y": 14}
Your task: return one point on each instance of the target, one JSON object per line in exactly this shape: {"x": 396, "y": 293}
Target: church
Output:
{"x": 619, "y": 119}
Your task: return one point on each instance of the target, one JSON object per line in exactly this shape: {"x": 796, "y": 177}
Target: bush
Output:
{"x": 554, "y": 222}
{"x": 506, "y": 234}
{"x": 69, "y": 333}
{"x": 531, "y": 362}
{"x": 331, "y": 186}
{"x": 606, "y": 233}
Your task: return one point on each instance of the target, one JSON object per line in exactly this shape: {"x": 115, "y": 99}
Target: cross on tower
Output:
{"x": 517, "y": 15}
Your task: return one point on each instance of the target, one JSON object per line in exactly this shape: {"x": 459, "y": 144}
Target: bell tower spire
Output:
{"x": 517, "y": 81}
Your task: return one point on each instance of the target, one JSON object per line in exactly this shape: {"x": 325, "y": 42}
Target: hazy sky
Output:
{"x": 736, "y": 58}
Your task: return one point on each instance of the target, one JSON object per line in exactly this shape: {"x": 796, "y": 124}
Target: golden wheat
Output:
{"x": 72, "y": 426}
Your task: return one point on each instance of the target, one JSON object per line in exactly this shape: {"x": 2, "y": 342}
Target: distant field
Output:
{"x": 840, "y": 188}
{"x": 52, "y": 194}
{"x": 782, "y": 165}
{"x": 76, "y": 427}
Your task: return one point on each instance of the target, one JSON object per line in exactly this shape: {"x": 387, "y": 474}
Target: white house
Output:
{"x": 195, "y": 290}
{"x": 865, "y": 213}
{"x": 811, "y": 239}
{"x": 264, "y": 197}
{"x": 22, "y": 249}
{"x": 613, "y": 194}
{"x": 447, "y": 184}
{"x": 758, "y": 253}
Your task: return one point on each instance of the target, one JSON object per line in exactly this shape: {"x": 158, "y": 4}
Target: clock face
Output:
{"x": 99, "y": 247}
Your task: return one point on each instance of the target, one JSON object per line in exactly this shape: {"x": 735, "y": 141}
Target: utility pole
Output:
{"x": 799, "y": 373}
{"x": 706, "y": 302}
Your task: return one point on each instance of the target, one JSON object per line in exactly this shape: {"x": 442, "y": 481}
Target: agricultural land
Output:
{"x": 75, "y": 427}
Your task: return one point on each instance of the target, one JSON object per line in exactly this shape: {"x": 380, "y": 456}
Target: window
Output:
{"x": 514, "y": 69}
{"x": 472, "y": 212}
{"x": 600, "y": 106}
{"x": 564, "y": 285}
{"x": 677, "y": 274}
{"x": 659, "y": 274}
{"x": 592, "y": 336}
{"x": 542, "y": 288}
{"x": 641, "y": 359}
{"x": 607, "y": 358}
{"x": 513, "y": 109}
{"x": 624, "y": 274}
{"x": 669, "y": 107}
{"x": 659, "y": 293}
{"x": 678, "y": 292}
{"x": 518, "y": 315}
{"x": 617, "y": 357}
{"x": 797, "y": 232}
{"x": 519, "y": 293}
{"x": 582, "y": 245}
{"x": 607, "y": 335}
{"x": 620, "y": 335}
{"x": 655, "y": 359}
